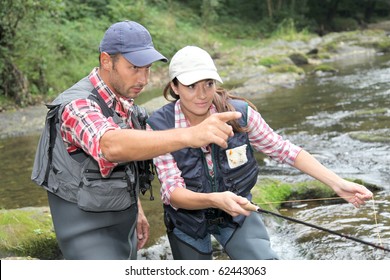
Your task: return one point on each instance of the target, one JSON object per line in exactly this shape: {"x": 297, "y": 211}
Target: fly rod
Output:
{"x": 251, "y": 207}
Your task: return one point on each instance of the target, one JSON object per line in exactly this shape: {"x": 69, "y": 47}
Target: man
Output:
{"x": 88, "y": 153}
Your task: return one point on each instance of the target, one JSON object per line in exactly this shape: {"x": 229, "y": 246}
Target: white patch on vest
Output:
{"x": 236, "y": 156}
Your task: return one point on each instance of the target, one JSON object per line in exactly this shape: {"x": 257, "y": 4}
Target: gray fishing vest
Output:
{"x": 192, "y": 164}
{"x": 76, "y": 177}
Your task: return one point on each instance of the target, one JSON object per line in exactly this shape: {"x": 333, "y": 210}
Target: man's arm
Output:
{"x": 132, "y": 145}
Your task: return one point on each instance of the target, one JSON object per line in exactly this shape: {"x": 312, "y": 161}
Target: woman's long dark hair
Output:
{"x": 220, "y": 101}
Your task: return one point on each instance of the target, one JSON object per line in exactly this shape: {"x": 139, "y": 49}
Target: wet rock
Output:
{"x": 299, "y": 59}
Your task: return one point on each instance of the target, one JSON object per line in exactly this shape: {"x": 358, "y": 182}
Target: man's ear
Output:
{"x": 105, "y": 61}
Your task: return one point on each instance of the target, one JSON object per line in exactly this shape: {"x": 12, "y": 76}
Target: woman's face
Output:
{"x": 196, "y": 99}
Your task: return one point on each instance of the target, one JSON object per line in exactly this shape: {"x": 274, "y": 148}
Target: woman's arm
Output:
{"x": 350, "y": 191}
{"x": 226, "y": 201}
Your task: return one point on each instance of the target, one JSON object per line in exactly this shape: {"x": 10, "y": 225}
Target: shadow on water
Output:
{"x": 344, "y": 120}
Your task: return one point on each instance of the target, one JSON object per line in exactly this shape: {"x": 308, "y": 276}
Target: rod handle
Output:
{"x": 250, "y": 207}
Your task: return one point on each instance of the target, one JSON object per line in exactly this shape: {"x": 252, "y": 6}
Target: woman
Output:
{"x": 204, "y": 189}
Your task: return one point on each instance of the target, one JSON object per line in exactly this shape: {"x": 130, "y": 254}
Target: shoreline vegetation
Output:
{"x": 27, "y": 233}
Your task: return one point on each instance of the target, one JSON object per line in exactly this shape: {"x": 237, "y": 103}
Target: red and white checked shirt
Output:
{"x": 83, "y": 123}
{"x": 262, "y": 138}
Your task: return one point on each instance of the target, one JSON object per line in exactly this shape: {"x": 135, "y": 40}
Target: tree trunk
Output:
{"x": 270, "y": 11}
{"x": 14, "y": 83}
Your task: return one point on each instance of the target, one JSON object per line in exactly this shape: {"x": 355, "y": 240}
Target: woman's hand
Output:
{"x": 226, "y": 201}
{"x": 354, "y": 193}
{"x": 231, "y": 203}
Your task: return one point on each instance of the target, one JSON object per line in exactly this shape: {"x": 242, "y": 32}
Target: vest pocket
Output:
{"x": 191, "y": 222}
{"x": 242, "y": 181}
{"x": 100, "y": 195}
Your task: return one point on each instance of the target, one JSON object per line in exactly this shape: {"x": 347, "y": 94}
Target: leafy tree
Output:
{"x": 15, "y": 14}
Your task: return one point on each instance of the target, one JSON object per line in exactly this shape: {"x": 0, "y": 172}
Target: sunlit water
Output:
{"x": 321, "y": 115}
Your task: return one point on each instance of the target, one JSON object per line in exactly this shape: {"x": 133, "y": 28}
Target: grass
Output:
{"x": 28, "y": 233}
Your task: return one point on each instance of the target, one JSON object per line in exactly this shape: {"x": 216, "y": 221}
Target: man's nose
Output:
{"x": 143, "y": 75}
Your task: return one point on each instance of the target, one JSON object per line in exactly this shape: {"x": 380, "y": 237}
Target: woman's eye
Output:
{"x": 210, "y": 84}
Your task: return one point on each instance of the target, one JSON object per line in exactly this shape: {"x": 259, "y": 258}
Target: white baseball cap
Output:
{"x": 192, "y": 64}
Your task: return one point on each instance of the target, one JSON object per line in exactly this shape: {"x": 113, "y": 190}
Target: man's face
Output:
{"x": 125, "y": 79}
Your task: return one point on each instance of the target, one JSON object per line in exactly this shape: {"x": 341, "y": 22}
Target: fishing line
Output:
{"x": 333, "y": 198}
{"x": 376, "y": 221}
{"x": 252, "y": 207}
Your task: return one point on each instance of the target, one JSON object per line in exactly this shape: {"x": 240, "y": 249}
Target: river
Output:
{"x": 342, "y": 119}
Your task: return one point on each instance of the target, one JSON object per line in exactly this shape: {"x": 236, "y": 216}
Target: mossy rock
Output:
{"x": 28, "y": 232}
{"x": 286, "y": 68}
{"x": 299, "y": 59}
{"x": 380, "y": 136}
{"x": 272, "y": 194}
{"x": 325, "y": 68}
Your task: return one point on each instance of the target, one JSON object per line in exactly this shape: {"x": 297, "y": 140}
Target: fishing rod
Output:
{"x": 252, "y": 207}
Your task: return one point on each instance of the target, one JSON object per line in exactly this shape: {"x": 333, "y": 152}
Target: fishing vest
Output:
{"x": 235, "y": 170}
{"x": 76, "y": 177}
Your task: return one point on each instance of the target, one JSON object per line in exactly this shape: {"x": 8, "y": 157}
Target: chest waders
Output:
{"x": 93, "y": 217}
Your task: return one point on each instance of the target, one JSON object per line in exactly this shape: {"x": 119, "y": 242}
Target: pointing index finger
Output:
{"x": 227, "y": 116}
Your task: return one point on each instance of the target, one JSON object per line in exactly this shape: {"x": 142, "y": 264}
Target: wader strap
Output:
{"x": 95, "y": 96}
{"x": 53, "y": 119}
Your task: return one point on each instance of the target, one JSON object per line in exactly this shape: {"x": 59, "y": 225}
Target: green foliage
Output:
{"x": 344, "y": 24}
{"x": 209, "y": 12}
{"x": 287, "y": 30}
{"x": 47, "y": 45}
{"x": 119, "y": 10}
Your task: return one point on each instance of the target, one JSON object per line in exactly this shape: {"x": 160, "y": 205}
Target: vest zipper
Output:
{"x": 95, "y": 175}
{"x": 211, "y": 179}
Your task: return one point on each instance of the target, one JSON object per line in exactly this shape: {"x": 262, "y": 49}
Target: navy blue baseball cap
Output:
{"x": 133, "y": 41}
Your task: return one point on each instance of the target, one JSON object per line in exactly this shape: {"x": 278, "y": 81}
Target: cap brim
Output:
{"x": 196, "y": 76}
{"x": 144, "y": 57}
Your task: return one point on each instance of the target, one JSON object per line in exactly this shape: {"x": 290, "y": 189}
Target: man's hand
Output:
{"x": 142, "y": 227}
{"x": 214, "y": 129}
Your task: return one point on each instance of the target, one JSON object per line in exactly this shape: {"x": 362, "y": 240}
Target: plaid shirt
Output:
{"x": 83, "y": 123}
{"x": 262, "y": 138}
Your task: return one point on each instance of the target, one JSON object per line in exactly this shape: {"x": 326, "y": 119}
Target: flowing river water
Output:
{"x": 342, "y": 119}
